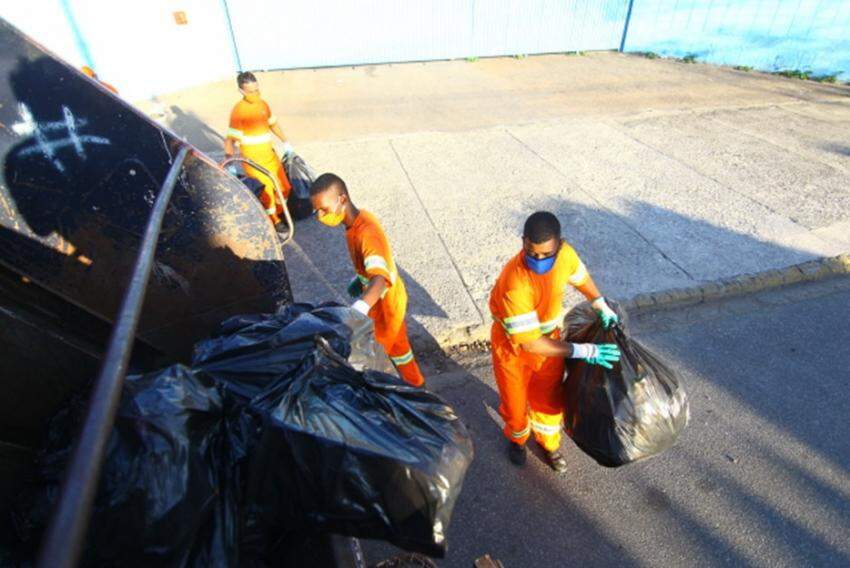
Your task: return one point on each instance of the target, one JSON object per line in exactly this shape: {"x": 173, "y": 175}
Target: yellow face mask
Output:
{"x": 332, "y": 219}
{"x": 251, "y": 97}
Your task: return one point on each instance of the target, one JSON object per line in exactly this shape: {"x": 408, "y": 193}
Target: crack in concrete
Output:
{"x": 602, "y": 205}
{"x": 775, "y": 143}
{"x": 436, "y": 231}
{"x": 614, "y": 125}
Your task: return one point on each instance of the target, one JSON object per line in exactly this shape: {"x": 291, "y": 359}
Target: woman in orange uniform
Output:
{"x": 379, "y": 288}
{"x": 528, "y": 354}
{"x": 251, "y": 126}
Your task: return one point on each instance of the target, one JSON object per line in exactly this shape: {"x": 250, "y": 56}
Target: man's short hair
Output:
{"x": 244, "y": 78}
{"x": 541, "y": 227}
{"x": 326, "y": 181}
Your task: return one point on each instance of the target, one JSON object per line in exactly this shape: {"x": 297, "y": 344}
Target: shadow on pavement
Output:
{"x": 516, "y": 515}
{"x": 320, "y": 269}
{"x": 196, "y": 131}
{"x": 677, "y": 508}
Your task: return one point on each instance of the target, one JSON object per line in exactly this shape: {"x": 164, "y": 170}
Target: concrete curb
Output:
{"x": 810, "y": 271}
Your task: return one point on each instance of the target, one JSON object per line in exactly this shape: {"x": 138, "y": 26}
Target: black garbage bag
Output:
{"x": 247, "y": 352}
{"x": 633, "y": 411}
{"x": 167, "y": 495}
{"x": 334, "y": 449}
{"x": 360, "y": 454}
{"x": 301, "y": 177}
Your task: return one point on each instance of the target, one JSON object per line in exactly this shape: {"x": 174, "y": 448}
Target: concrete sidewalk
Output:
{"x": 664, "y": 175}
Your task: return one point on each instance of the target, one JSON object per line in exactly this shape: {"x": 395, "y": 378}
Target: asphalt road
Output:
{"x": 760, "y": 477}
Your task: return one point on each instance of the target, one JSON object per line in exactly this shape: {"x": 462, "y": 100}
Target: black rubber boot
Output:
{"x": 556, "y": 461}
{"x": 517, "y": 453}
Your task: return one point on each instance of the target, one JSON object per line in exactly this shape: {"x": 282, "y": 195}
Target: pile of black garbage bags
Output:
{"x": 280, "y": 430}
{"x": 633, "y": 411}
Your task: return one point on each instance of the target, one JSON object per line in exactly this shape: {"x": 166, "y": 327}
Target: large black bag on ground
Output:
{"x": 359, "y": 453}
{"x": 635, "y": 410}
{"x": 301, "y": 177}
{"x": 167, "y": 495}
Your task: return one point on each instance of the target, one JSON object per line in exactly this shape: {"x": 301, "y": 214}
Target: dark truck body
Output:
{"x": 81, "y": 169}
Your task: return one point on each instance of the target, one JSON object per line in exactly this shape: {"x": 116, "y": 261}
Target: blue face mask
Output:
{"x": 540, "y": 265}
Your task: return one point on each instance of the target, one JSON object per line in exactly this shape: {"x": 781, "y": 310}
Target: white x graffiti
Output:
{"x": 69, "y": 127}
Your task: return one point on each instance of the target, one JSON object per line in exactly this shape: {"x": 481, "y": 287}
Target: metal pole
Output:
{"x": 232, "y": 35}
{"x": 68, "y": 526}
{"x": 278, "y": 192}
{"x": 626, "y": 26}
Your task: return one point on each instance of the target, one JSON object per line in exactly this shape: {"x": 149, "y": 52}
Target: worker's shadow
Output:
{"x": 514, "y": 514}
{"x": 320, "y": 269}
{"x": 194, "y": 130}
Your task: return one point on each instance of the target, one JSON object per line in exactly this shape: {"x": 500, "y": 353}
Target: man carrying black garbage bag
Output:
{"x": 380, "y": 291}
{"x": 528, "y": 354}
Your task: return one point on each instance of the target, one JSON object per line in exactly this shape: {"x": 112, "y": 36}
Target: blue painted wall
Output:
{"x": 770, "y": 35}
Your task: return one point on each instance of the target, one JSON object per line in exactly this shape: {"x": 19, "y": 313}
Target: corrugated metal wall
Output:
{"x": 274, "y": 34}
{"x": 772, "y": 35}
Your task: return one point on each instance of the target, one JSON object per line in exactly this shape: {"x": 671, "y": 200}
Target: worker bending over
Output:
{"x": 251, "y": 126}
{"x": 377, "y": 285}
{"x": 528, "y": 354}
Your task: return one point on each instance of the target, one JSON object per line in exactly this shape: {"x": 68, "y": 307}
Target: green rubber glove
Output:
{"x": 602, "y": 354}
{"x": 606, "y": 314}
{"x": 355, "y": 288}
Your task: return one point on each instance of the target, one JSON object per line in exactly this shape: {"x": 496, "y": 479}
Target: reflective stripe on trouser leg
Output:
{"x": 269, "y": 204}
{"x": 402, "y": 359}
{"x": 547, "y": 429}
{"x": 546, "y": 402}
{"x": 401, "y": 355}
{"x": 518, "y": 437}
{"x": 512, "y": 381}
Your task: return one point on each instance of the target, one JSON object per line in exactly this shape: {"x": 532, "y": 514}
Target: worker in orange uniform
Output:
{"x": 89, "y": 72}
{"x": 379, "y": 289}
{"x": 528, "y": 354}
{"x": 251, "y": 126}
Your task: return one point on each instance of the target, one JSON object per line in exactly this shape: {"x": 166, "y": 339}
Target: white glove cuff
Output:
{"x": 361, "y": 306}
{"x": 584, "y": 351}
{"x": 287, "y": 148}
{"x": 600, "y": 305}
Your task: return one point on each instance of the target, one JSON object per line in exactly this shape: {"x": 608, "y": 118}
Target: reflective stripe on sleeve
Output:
{"x": 580, "y": 275}
{"x": 521, "y": 323}
{"x": 233, "y": 133}
{"x": 375, "y": 261}
{"x": 551, "y": 325}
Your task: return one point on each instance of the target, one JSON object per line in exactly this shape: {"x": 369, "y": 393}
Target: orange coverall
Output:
{"x": 371, "y": 255}
{"x": 526, "y": 306}
{"x": 249, "y": 126}
{"x": 90, "y": 72}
